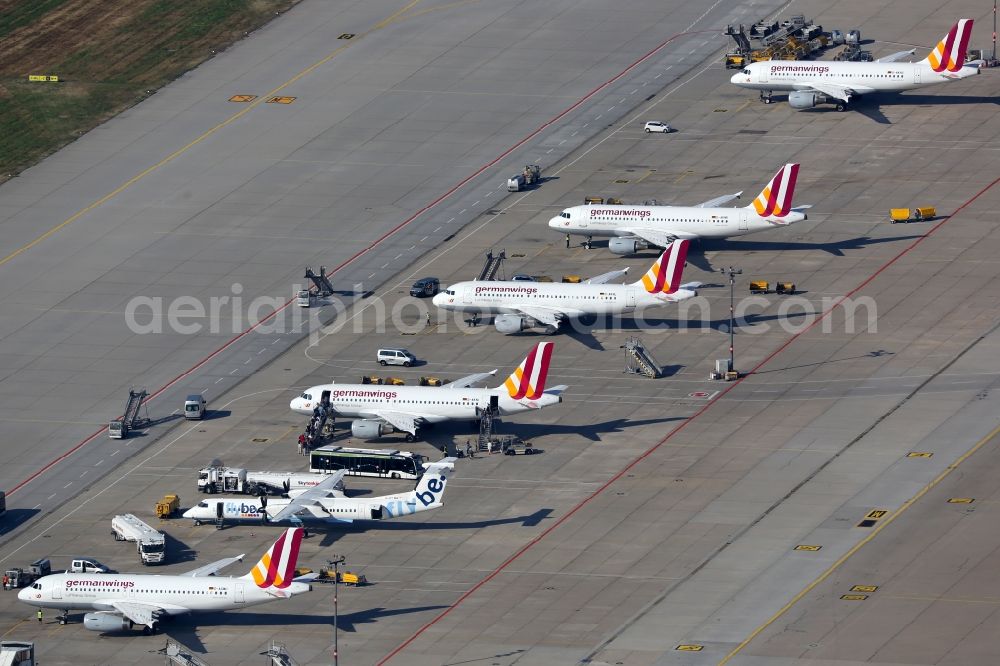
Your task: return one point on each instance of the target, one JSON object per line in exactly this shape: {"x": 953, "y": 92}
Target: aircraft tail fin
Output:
{"x": 528, "y": 379}
{"x": 775, "y": 200}
{"x": 949, "y": 54}
{"x": 430, "y": 488}
{"x": 664, "y": 276}
{"x": 277, "y": 567}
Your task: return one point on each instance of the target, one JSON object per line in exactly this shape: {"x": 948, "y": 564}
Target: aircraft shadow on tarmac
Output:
{"x": 591, "y": 432}
{"x": 178, "y": 551}
{"x": 871, "y": 104}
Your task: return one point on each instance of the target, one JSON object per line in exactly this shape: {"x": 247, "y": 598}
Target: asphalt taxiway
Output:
{"x": 660, "y": 524}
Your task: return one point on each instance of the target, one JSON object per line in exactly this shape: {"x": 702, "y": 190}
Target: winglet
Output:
{"x": 277, "y": 567}
{"x": 528, "y": 379}
{"x": 949, "y": 54}
{"x": 775, "y": 200}
{"x": 664, "y": 276}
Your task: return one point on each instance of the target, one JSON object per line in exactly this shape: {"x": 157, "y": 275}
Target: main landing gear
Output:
{"x": 765, "y": 96}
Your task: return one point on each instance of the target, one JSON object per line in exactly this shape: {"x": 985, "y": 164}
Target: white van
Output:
{"x": 194, "y": 407}
{"x": 86, "y": 565}
{"x": 395, "y": 356}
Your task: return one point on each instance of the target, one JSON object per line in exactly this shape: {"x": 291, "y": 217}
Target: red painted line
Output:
{"x": 493, "y": 574}
{"x": 360, "y": 253}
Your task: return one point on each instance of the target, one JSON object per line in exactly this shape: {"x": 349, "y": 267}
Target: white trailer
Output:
{"x": 530, "y": 175}
{"x": 149, "y": 543}
{"x": 218, "y": 478}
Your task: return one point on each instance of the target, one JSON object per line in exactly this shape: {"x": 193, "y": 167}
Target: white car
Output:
{"x": 657, "y": 126}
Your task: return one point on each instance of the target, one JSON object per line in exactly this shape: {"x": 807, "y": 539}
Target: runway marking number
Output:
{"x": 242, "y": 98}
{"x": 690, "y": 648}
{"x": 281, "y": 100}
{"x": 872, "y": 516}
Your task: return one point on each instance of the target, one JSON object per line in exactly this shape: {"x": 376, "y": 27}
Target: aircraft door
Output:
{"x": 325, "y": 398}
{"x": 630, "y": 299}
{"x": 916, "y": 74}
{"x": 376, "y": 512}
{"x": 467, "y": 295}
{"x": 238, "y": 592}
{"x": 219, "y": 508}
{"x": 743, "y": 220}
{"x": 56, "y": 591}
{"x": 762, "y": 74}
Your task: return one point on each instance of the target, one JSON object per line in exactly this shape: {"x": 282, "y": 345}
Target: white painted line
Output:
{"x": 420, "y": 241}
{"x": 645, "y": 83}
{"x": 258, "y": 354}
{"x": 562, "y": 142}
{"x": 599, "y": 117}
{"x": 385, "y": 264}
{"x": 35, "y": 507}
{"x": 99, "y": 462}
{"x": 692, "y": 51}
{"x": 412, "y": 247}
{"x": 451, "y": 220}
{"x": 397, "y": 256}
{"x": 549, "y": 151}
{"x": 52, "y": 495}
{"x": 476, "y": 204}
{"x": 247, "y": 361}
{"x": 278, "y": 340}
{"x": 574, "y": 133}
{"x": 622, "y": 99}
{"x": 668, "y": 67}
{"x": 68, "y": 485}
{"x": 218, "y": 380}
{"x": 85, "y": 473}
{"x": 585, "y": 124}
{"x": 612, "y": 107}
{"x": 116, "y": 453}
{"x": 433, "y": 232}
{"x": 234, "y": 371}
{"x": 766, "y": 391}
{"x": 658, "y": 76}
{"x": 634, "y": 91}
{"x": 461, "y": 211}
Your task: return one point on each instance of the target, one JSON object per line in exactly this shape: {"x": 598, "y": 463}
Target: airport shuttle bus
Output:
{"x": 367, "y": 462}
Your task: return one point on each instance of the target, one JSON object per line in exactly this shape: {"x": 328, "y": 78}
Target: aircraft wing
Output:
{"x": 214, "y": 567}
{"x": 401, "y": 420}
{"x": 322, "y": 489}
{"x": 471, "y": 380}
{"x": 654, "y": 236}
{"x": 138, "y": 612}
{"x": 547, "y": 316}
{"x": 833, "y": 90}
{"x": 604, "y": 278}
{"x": 718, "y": 201}
{"x": 896, "y": 57}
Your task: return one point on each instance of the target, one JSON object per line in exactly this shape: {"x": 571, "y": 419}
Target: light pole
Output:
{"x": 732, "y": 273}
{"x": 335, "y": 563}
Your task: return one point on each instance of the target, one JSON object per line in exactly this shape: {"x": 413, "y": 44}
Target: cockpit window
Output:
{"x": 306, "y": 396}
{"x": 747, "y": 72}
{"x": 203, "y": 505}
{"x": 564, "y": 214}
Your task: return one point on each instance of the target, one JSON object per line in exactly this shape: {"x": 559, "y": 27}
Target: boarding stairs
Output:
{"x": 487, "y": 419}
{"x": 639, "y": 360}
{"x": 493, "y": 266}
{"x": 278, "y": 654}
{"x": 132, "y": 419}
{"x": 323, "y": 286}
{"x": 176, "y": 653}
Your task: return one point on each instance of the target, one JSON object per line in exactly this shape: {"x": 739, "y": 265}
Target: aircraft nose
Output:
{"x": 734, "y": 77}
{"x": 556, "y": 222}
{"x": 294, "y": 404}
{"x": 23, "y": 594}
{"x": 438, "y": 299}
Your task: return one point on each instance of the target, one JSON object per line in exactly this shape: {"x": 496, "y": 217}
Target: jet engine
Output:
{"x": 626, "y": 245}
{"x": 106, "y": 621}
{"x": 510, "y": 324}
{"x": 368, "y": 429}
{"x": 804, "y": 100}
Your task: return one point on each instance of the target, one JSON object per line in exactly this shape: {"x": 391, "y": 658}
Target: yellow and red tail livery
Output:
{"x": 277, "y": 567}
{"x": 664, "y": 277}
{"x": 775, "y": 200}
{"x": 949, "y": 54}
{"x": 527, "y": 382}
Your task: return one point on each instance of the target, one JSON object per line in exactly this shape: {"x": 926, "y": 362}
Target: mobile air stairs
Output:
{"x": 120, "y": 428}
{"x": 639, "y": 360}
{"x": 487, "y": 419}
{"x": 323, "y": 286}
{"x": 176, "y": 653}
{"x": 493, "y": 266}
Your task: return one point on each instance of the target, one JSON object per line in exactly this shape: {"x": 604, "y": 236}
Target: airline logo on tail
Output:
{"x": 775, "y": 200}
{"x": 528, "y": 379}
{"x": 277, "y": 567}
{"x": 949, "y": 54}
{"x": 665, "y": 275}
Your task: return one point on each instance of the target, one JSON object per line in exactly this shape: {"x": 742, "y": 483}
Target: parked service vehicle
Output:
{"x": 86, "y": 565}
{"x": 530, "y": 175}
{"x": 427, "y": 286}
{"x": 522, "y": 277}
{"x": 217, "y": 478}
{"x": 149, "y": 543}
{"x": 18, "y": 577}
{"x": 305, "y": 298}
{"x": 395, "y": 356}
{"x": 194, "y": 407}
{"x": 167, "y": 506}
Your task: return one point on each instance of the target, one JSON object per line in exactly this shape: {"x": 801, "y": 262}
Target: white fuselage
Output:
{"x": 434, "y": 404}
{"x": 573, "y": 299}
{"x": 176, "y": 595}
{"x": 328, "y": 510}
{"x": 861, "y": 77}
{"x": 679, "y": 222}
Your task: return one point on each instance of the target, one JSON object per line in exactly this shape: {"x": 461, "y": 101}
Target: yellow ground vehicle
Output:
{"x": 759, "y": 287}
{"x": 167, "y": 506}
{"x": 911, "y": 214}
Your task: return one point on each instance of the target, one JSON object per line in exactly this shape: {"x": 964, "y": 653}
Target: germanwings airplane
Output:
{"x": 382, "y": 409}
{"x": 634, "y": 228}
{"x": 522, "y": 305}
{"x": 322, "y": 504}
{"x": 121, "y": 601}
{"x": 812, "y": 83}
